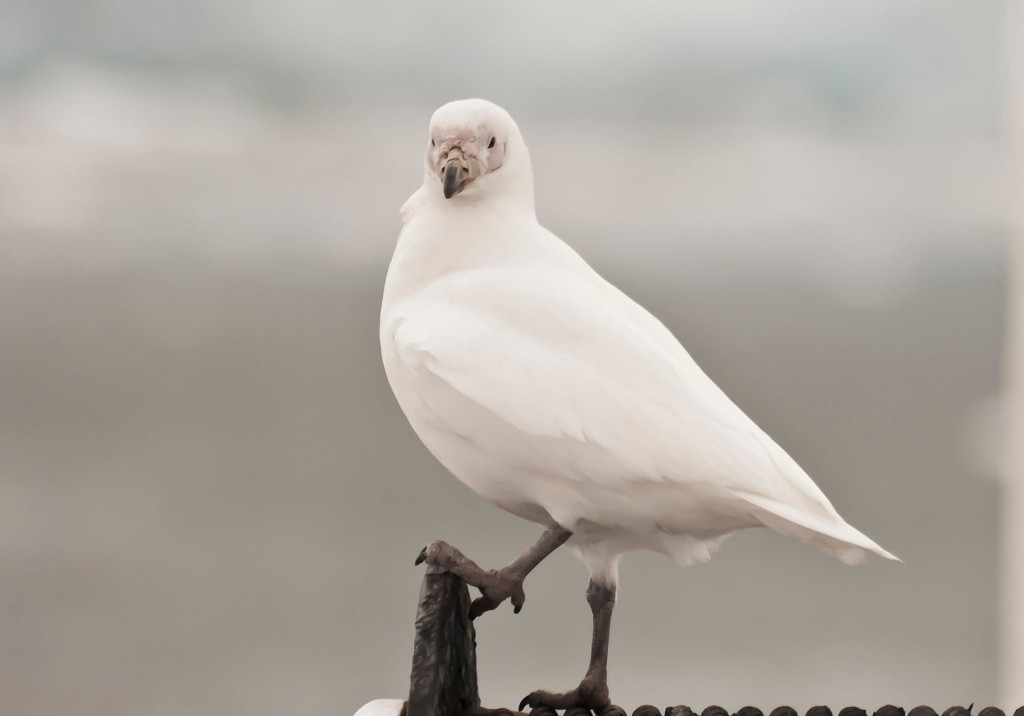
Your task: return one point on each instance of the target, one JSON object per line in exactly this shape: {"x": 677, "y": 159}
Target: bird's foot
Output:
{"x": 495, "y": 585}
{"x": 592, "y": 693}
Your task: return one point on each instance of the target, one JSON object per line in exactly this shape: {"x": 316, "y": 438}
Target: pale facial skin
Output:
{"x": 460, "y": 156}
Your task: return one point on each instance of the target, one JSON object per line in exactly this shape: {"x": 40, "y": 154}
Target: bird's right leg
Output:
{"x": 495, "y": 585}
{"x": 592, "y": 693}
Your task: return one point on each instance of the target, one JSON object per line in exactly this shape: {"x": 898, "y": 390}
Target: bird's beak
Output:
{"x": 457, "y": 171}
{"x": 454, "y": 178}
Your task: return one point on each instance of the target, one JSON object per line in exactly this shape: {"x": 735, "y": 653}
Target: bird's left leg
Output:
{"x": 495, "y": 585}
{"x": 592, "y": 693}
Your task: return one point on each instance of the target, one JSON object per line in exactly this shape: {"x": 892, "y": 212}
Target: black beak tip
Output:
{"x": 452, "y": 180}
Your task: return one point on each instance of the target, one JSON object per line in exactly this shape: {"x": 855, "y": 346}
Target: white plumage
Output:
{"x": 554, "y": 395}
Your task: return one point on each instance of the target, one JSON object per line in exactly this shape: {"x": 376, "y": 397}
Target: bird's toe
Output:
{"x": 518, "y": 597}
{"x": 482, "y": 605}
{"x": 498, "y": 586}
{"x": 591, "y": 694}
{"x": 440, "y": 554}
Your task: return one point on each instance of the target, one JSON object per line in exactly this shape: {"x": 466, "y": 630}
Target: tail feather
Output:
{"x": 836, "y": 538}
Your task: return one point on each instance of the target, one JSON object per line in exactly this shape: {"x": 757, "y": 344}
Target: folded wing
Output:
{"x": 570, "y": 361}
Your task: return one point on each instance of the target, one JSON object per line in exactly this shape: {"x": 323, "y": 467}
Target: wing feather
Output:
{"x": 558, "y": 357}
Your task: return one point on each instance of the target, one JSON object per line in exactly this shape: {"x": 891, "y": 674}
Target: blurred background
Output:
{"x": 209, "y": 500}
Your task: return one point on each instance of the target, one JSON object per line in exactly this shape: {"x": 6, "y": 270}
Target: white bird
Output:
{"x": 555, "y": 396}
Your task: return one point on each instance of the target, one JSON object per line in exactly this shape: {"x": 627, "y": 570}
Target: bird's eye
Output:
{"x": 491, "y": 144}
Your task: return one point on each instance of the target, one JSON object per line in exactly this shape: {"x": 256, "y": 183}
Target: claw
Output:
{"x": 525, "y": 702}
{"x": 518, "y": 599}
{"x": 421, "y": 557}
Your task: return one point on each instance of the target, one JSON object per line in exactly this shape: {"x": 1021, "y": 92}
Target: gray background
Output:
{"x": 209, "y": 500}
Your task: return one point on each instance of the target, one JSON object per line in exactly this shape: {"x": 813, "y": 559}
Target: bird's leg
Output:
{"x": 495, "y": 585}
{"x": 592, "y": 693}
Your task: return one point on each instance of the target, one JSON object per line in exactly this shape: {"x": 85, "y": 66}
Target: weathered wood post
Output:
{"x": 443, "y": 681}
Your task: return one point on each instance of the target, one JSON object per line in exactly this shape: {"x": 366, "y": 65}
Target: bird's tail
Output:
{"x": 830, "y": 535}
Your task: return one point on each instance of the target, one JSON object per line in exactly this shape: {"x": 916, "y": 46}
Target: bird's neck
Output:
{"x": 452, "y": 227}
{"x": 429, "y": 199}
{"x": 444, "y": 237}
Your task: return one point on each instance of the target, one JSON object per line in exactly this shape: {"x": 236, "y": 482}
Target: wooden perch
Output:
{"x": 443, "y": 681}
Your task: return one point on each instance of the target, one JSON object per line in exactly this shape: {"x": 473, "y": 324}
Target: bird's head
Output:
{"x": 475, "y": 151}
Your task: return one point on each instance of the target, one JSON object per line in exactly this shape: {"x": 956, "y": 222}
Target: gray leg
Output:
{"x": 592, "y": 693}
{"x": 495, "y": 585}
